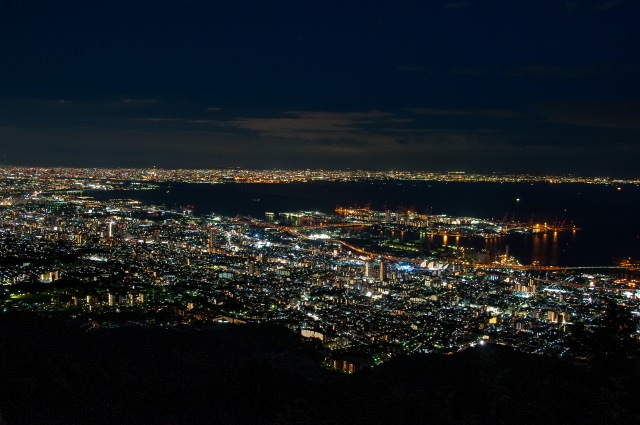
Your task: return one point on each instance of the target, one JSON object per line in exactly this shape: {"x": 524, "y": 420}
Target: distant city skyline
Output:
{"x": 533, "y": 87}
{"x": 47, "y": 175}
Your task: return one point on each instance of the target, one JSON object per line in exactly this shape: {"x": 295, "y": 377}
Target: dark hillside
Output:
{"x": 54, "y": 373}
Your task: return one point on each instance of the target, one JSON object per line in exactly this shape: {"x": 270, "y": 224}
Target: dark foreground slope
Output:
{"x": 52, "y": 373}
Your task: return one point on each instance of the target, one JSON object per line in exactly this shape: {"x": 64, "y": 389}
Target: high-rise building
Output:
{"x": 211, "y": 236}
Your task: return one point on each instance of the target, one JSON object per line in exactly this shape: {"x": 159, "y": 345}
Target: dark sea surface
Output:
{"x": 607, "y": 216}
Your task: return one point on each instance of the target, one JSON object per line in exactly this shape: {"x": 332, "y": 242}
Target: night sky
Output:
{"x": 521, "y": 86}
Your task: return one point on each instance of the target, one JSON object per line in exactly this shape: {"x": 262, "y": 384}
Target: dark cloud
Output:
{"x": 132, "y": 101}
{"x": 556, "y": 71}
{"x": 164, "y": 119}
{"x": 471, "y": 72}
{"x": 605, "y": 114}
{"x": 448, "y": 141}
{"x": 606, "y": 6}
{"x": 600, "y": 6}
{"x": 458, "y": 4}
{"x": 417, "y": 69}
{"x": 571, "y": 6}
{"x": 342, "y": 143}
{"x": 312, "y": 125}
{"x": 385, "y": 84}
{"x": 490, "y": 113}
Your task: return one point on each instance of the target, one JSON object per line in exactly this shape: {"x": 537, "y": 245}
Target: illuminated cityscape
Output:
{"x": 347, "y": 279}
{"x": 110, "y": 178}
{"x": 319, "y": 213}
{"x": 351, "y": 290}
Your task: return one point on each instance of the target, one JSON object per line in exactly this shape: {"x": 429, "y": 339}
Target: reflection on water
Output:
{"x": 537, "y": 251}
{"x": 553, "y": 257}
{"x": 544, "y": 249}
{"x": 594, "y": 244}
{"x": 547, "y": 249}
